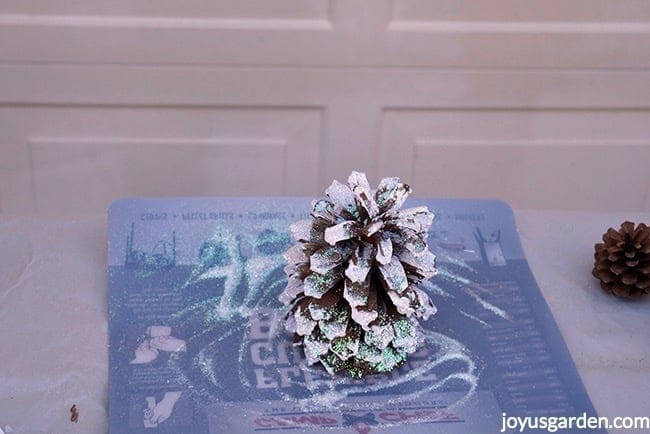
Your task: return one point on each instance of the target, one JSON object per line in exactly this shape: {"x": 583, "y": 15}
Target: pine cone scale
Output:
{"x": 643, "y": 284}
{"x": 629, "y": 278}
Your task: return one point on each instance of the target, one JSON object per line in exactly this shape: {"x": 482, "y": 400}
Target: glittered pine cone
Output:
{"x": 622, "y": 261}
{"x": 353, "y": 275}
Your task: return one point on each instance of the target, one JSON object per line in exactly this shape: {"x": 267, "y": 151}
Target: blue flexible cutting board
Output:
{"x": 197, "y": 343}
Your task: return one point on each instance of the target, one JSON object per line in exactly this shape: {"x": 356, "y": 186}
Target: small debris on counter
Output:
{"x": 74, "y": 413}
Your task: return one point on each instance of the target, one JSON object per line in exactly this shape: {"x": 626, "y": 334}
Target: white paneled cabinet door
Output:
{"x": 536, "y": 103}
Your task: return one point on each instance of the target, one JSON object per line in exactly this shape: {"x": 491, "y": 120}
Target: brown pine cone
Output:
{"x": 623, "y": 261}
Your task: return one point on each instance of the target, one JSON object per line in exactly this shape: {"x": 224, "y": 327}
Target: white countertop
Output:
{"x": 54, "y": 319}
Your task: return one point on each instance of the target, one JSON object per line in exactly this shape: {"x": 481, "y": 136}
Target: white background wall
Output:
{"x": 545, "y": 104}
